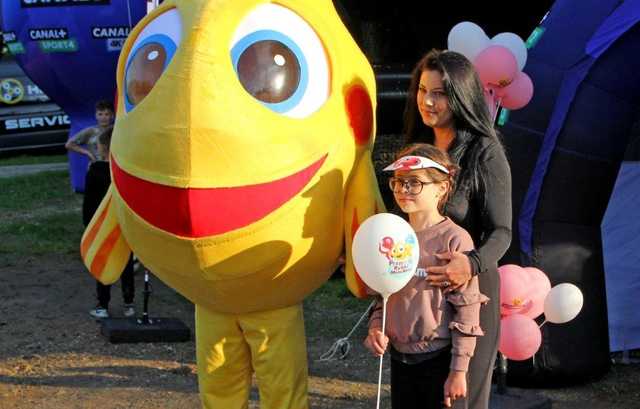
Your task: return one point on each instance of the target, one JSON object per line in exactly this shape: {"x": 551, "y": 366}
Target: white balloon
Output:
{"x": 563, "y": 303}
{"x": 515, "y": 44}
{"x": 385, "y": 253}
{"x": 468, "y": 39}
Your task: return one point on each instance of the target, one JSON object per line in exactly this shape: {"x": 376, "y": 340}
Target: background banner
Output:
{"x": 70, "y": 49}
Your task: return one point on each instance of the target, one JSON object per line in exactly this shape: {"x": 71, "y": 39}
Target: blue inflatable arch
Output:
{"x": 70, "y": 50}
{"x": 566, "y": 148}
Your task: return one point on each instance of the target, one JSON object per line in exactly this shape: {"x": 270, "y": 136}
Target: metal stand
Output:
{"x": 145, "y": 329}
{"x": 147, "y": 292}
{"x": 502, "y": 374}
{"x": 503, "y": 398}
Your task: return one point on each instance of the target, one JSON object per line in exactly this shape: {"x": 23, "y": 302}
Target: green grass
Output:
{"x": 335, "y": 295}
{"x": 32, "y": 160}
{"x": 30, "y": 192}
{"x": 331, "y": 311}
{"x": 57, "y": 233}
{"x": 40, "y": 215}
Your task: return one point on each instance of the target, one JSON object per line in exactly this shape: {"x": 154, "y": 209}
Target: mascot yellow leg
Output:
{"x": 231, "y": 346}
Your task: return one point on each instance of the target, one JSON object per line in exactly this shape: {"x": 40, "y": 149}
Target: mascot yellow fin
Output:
{"x": 103, "y": 248}
{"x": 361, "y": 201}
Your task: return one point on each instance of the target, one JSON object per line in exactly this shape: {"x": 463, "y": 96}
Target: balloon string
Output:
{"x": 495, "y": 111}
{"x": 343, "y": 344}
{"x": 384, "y": 319}
{"x": 544, "y": 322}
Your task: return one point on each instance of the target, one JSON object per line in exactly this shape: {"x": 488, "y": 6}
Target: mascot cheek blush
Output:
{"x": 241, "y": 169}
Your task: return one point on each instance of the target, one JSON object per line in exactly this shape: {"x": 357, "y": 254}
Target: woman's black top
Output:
{"x": 485, "y": 211}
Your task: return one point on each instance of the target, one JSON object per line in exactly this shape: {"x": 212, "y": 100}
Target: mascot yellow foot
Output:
{"x": 231, "y": 346}
{"x": 241, "y": 169}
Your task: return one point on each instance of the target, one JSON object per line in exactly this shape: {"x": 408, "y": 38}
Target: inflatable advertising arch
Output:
{"x": 578, "y": 127}
{"x": 70, "y": 49}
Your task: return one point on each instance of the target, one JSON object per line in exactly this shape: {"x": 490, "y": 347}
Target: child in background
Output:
{"x": 85, "y": 142}
{"x": 432, "y": 330}
{"x": 97, "y": 140}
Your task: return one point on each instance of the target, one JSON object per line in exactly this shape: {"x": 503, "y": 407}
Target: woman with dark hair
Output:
{"x": 446, "y": 107}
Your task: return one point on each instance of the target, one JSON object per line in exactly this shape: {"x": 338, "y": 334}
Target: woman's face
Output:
{"x": 433, "y": 102}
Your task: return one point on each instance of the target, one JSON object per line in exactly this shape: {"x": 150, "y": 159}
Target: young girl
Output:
{"x": 432, "y": 329}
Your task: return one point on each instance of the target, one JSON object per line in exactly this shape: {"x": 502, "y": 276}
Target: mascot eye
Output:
{"x": 280, "y": 61}
{"x": 150, "y": 55}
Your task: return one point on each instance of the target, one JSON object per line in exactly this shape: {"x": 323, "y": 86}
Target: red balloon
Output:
{"x": 387, "y": 243}
{"x": 520, "y": 337}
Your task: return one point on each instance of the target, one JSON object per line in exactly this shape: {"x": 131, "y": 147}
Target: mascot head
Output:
{"x": 241, "y": 148}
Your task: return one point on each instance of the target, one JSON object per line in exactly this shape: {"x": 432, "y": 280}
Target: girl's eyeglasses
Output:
{"x": 412, "y": 185}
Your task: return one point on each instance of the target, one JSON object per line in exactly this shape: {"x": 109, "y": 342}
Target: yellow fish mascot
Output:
{"x": 241, "y": 167}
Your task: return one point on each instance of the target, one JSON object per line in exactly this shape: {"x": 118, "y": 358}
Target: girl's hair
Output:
{"x": 471, "y": 117}
{"x": 431, "y": 152}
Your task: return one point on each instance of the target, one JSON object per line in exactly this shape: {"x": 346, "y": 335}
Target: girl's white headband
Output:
{"x": 415, "y": 162}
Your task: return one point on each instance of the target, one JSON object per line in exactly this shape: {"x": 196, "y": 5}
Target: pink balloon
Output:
{"x": 517, "y": 94}
{"x": 522, "y": 290}
{"x": 496, "y": 65}
{"x": 539, "y": 286}
{"x": 520, "y": 337}
{"x": 513, "y": 289}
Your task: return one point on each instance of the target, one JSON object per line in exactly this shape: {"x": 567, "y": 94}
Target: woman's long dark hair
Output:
{"x": 470, "y": 112}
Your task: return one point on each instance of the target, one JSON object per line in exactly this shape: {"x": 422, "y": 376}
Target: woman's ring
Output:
{"x": 446, "y": 284}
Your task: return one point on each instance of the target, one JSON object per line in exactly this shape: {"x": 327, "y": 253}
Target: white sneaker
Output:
{"x": 99, "y": 313}
{"x": 128, "y": 310}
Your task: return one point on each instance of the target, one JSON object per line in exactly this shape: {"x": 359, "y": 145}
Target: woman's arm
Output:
{"x": 496, "y": 213}
{"x": 494, "y": 198}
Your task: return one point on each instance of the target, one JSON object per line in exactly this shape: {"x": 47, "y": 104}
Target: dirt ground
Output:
{"x": 52, "y": 355}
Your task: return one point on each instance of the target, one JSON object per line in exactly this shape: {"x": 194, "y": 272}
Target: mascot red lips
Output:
{"x": 188, "y": 212}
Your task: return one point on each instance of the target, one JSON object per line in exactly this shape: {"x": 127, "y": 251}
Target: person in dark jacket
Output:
{"x": 97, "y": 182}
{"x": 446, "y": 107}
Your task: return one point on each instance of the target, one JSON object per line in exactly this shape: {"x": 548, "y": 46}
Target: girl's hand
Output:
{"x": 453, "y": 274}
{"x": 376, "y": 342}
{"x": 455, "y": 387}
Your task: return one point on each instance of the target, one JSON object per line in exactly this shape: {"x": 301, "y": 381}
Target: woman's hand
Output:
{"x": 453, "y": 274}
{"x": 376, "y": 341}
{"x": 455, "y": 387}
